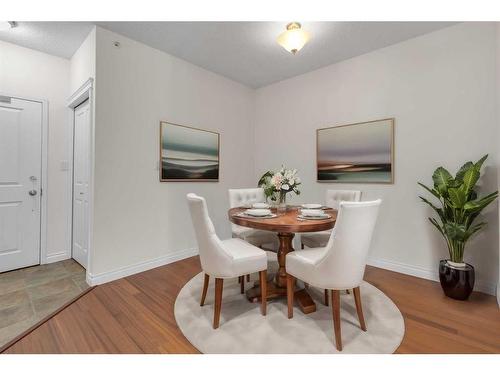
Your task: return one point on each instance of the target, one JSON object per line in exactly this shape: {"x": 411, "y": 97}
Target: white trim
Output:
{"x": 44, "y": 183}
{"x": 84, "y": 92}
{"x": 42, "y": 251}
{"x": 425, "y": 273}
{"x": 57, "y": 257}
{"x": 81, "y": 94}
{"x": 121, "y": 272}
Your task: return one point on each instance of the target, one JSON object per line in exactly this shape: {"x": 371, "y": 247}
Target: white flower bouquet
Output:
{"x": 277, "y": 184}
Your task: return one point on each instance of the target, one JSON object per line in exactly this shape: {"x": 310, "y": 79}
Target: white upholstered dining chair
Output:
{"x": 244, "y": 197}
{"x": 341, "y": 263}
{"x": 333, "y": 199}
{"x": 224, "y": 259}
{"x": 260, "y": 238}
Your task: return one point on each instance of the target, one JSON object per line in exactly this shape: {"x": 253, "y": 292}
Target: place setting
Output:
{"x": 258, "y": 211}
{"x": 312, "y": 211}
{"x": 306, "y": 211}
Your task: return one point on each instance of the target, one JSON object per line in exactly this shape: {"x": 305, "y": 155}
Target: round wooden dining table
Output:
{"x": 285, "y": 225}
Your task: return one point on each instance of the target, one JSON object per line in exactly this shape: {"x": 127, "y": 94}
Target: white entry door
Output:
{"x": 20, "y": 174}
{"x": 81, "y": 164}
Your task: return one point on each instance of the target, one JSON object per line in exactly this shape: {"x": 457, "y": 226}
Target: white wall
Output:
{"x": 140, "y": 222}
{"x": 28, "y": 73}
{"x": 441, "y": 89}
{"x": 82, "y": 63}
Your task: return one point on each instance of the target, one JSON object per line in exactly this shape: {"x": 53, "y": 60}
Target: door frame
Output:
{"x": 42, "y": 251}
{"x": 85, "y": 92}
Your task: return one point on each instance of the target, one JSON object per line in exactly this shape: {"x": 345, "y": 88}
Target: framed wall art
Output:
{"x": 188, "y": 154}
{"x": 356, "y": 153}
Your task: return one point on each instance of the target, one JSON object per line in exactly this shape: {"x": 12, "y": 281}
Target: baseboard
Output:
{"x": 425, "y": 273}
{"x": 105, "y": 277}
{"x": 56, "y": 257}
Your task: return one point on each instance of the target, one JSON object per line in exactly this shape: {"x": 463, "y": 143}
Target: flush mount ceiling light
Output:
{"x": 294, "y": 38}
{"x": 6, "y": 25}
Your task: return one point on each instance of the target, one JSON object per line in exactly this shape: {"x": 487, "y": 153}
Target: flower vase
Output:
{"x": 281, "y": 209}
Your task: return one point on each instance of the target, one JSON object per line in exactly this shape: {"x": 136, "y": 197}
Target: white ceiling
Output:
{"x": 56, "y": 38}
{"x": 246, "y": 52}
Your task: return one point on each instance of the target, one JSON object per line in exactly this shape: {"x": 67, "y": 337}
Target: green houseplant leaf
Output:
{"x": 480, "y": 162}
{"x": 432, "y": 191}
{"x": 459, "y": 205}
{"x": 439, "y": 211}
{"x": 457, "y": 197}
{"x": 470, "y": 179}
{"x": 455, "y": 231}
{"x": 464, "y": 168}
{"x": 436, "y": 224}
{"x": 480, "y": 204}
{"x": 441, "y": 178}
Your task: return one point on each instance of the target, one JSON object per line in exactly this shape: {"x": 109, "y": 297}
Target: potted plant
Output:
{"x": 277, "y": 185}
{"x": 457, "y": 210}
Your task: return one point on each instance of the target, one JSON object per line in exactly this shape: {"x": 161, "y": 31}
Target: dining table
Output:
{"x": 285, "y": 225}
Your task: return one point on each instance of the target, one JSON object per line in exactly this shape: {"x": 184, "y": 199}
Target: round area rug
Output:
{"x": 244, "y": 330}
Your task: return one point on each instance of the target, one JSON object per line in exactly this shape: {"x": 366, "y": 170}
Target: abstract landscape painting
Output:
{"x": 188, "y": 154}
{"x": 357, "y": 153}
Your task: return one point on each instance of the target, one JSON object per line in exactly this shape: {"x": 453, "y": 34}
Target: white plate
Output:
{"x": 258, "y": 212}
{"x": 313, "y": 213}
{"x": 270, "y": 216}
{"x": 312, "y": 206}
{"x": 260, "y": 205}
{"x": 325, "y": 216}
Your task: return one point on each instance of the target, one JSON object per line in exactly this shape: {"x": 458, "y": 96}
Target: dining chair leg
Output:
{"x": 263, "y": 291}
{"x": 290, "y": 280}
{"x": 326, "y": 297}
{"x": 242, "y": 284}
{"x": 248, "y": 277}
{"x": 205, "y": 288}
{"x": 336, "y": 318}
{"x": 219, "y": 283}
{"x": 359, "y": 308}
{"x": 302, "y": 246}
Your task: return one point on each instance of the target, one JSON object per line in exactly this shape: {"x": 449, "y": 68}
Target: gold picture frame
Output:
{"x": 188, "y": 154}
{"x": 333, "y": 167}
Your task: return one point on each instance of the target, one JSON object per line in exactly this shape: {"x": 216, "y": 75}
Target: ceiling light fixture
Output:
{"x": 294, "y": 38}
{"x": 6, "y": 25}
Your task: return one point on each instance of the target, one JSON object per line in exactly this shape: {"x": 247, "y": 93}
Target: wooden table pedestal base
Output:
{"x": 303, "y": 299}
{"x": 277, "y": 287}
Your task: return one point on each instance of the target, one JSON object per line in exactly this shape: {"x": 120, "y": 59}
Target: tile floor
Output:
{"x": 30, "y": 294}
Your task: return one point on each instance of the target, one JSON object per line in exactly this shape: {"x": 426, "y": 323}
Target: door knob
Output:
{"x": 32, "y": 193}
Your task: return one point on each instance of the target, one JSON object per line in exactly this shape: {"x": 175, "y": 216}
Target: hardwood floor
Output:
{"x": 135, "y": 315}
